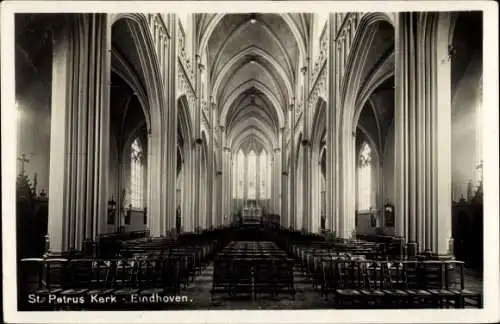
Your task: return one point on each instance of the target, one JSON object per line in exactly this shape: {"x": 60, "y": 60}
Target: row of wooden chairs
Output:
{"x": 161, "y": 271}
{"x": 381, "y": 283}
{"x": 252, "y": 269}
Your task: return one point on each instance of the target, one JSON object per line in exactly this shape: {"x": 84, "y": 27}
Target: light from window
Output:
{"x": 136, "y": 175}
{"x": 240, "y": 172}
{"x": 234, "y": 175}
{"x": 263, "y": 175}
{"x": 252, "y": 175}
{"x": 365, "y": 178}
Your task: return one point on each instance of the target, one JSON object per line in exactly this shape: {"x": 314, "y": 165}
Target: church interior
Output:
{"x": 250, "y": 160}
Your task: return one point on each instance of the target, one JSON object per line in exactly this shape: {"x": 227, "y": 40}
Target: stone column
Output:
{"x": 198, "y": 142}
{"x": 284, "y": 180}
{"x": 258, "y": 196}
{"x": 293, "y": 185}
{"x": 80, "y": 131}
{"x": 423, "y": 134}
{"x": 332, "y": 133}
{"x": 224, "y": 169}
{"x": 230, "y": 186}
{"x": 277, "y": 180}
{"x": 306, "y": 146}
{"x": 315, "y": 190}
{"x": 245, "y": 179}
{"x": 215, "y": 166}
{"x": 226, "y": 179}
{"x": 187, "y": 221}
{"x": 169, "y": 174}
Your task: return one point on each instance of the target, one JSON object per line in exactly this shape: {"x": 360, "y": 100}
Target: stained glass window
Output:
{"x": 365, "y": 178}
{"x": 136, "y": 175}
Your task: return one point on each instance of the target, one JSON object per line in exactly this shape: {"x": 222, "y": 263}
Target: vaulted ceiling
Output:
{"x": 252, "y": 62}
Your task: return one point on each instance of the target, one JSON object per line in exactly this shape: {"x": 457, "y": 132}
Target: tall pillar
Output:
{"x": 215, "y": 167}
{"x": 230, "y": 186}
{"x": 226, "y": 179}
{"x": 306, "y": 185}
{"x": 423, "y": 132}
{"x": 169, "y": 173}
{"x": 224, "y": 169}
{"x": 258, "y": 195}
{"x": 198, "y": 142}
{"x": 306, "y": 147}
{"x": 277, "y": 180}
{"x": 315, "y": 190}
{"x": 80, "y": 131}
{"x": 284, "y": 214}
{"x": 293, "y": 184}
{"x": 186, "y": 222}
{"x": 332, "y": 134}
{"x": 218, "y": 217}
{"x": 245, "y": 179}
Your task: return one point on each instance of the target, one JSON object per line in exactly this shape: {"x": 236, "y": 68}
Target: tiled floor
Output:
{"x": 306, "y": 297}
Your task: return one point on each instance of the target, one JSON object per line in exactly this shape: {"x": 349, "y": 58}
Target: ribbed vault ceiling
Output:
{"x": 252, "y": 64}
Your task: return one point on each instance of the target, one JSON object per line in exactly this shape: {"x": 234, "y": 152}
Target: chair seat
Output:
{"x": 441, "y": 292}
{"x": 465, "y": 292}
{"x": 372, "y": 292}
{"x": 126, "y": 291}
{"x": 73, "y": 292}
{"x": 395, "y": 292}
{"x": 348, "y": 292}
{"x": 46, "y": 291}
{"x": 100, "y": 291}
{"x": 418, "y": 292}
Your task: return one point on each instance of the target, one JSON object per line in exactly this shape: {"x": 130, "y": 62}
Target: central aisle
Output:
{"x": 306, "y": 296}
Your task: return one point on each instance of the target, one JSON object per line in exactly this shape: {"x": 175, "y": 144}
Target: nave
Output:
{"x": 256, "y": 266}
{"x": 161, "y": 151}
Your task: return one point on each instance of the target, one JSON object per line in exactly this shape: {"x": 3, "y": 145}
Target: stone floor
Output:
{"x": 306, "y": 297}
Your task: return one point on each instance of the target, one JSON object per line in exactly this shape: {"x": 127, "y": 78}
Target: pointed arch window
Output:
{"x": 136, "y": 174}
{"x": 239, "y": 173}
{"x": 252, "y": 175}
{"x": 365, "y": 177}
{"x": 263, "y": 178}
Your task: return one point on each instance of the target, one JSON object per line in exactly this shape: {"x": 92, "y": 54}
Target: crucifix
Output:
{"x": 23, "y": 160}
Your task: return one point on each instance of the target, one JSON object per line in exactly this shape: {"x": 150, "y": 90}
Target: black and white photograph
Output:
{"x": 274, "y": 158}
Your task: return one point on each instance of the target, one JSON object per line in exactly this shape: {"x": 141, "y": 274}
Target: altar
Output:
{"x": 251, "y": 212}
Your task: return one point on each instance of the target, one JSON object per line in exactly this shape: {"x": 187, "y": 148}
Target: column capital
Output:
{"x": 222, "y": 127}
{"x": 198, "y": 140}
{"x": 227, "y": 149}
{"x": 219, "y": 172}
{"x": 197, "y": 57}
{"x": 277, "y": 150}
{"x": 284, "y": 173}
{"x": 303, "y": 69}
